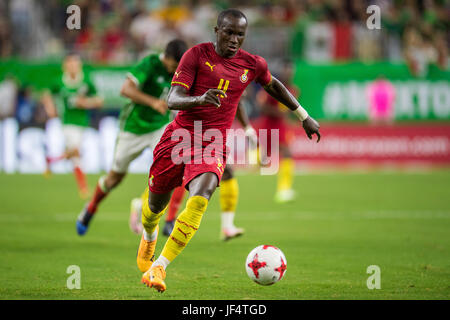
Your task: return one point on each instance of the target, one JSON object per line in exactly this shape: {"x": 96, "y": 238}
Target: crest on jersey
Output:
{"x": 150, "y": 181}
{"x": 244, "y": 76}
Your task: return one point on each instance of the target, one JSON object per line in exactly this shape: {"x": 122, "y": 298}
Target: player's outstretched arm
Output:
{"x": 49, "y": 105}
{"x": 130, "y": 90}
{"x": 242, "y": 117}
{"x": 179, "y": 99}
{"x": 277, "y": 90}
{"x": 89, "y": 102}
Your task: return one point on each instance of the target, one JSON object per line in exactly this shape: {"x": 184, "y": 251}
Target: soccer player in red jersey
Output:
{"x": 206, "y": 88}
{"x": 229, "y": 191}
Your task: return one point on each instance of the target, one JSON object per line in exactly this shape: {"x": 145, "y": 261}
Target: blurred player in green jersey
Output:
{"x": 142, "y": 121}
{"x": 78, "y": 96}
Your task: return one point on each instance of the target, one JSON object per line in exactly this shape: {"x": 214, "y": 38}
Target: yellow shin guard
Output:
{"x": 229, "y": 193}
{"x": 185, "y": 227}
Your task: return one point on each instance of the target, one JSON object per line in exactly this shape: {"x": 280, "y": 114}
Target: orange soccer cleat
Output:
{"x": 154, "y": 278}
{"x": 146, "y": 254}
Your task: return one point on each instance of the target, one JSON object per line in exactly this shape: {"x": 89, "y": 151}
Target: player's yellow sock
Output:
{"x": 149, "y": 219}
{"x": 185, "y": 227}
{"x": 229, "y": 193}
{"x": 285, "y": 174}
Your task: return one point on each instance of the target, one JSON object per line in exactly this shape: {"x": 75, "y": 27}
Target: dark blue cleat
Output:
{"x": 168, "y": 227}
{"x": 81, "y": 228}
{"x": 83, "y": 221}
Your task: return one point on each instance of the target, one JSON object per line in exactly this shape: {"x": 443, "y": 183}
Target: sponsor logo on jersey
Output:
{"x": 210, "y": 66}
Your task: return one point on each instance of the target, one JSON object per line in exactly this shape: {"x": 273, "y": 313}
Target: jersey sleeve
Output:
{"x": 187, "y": 69}
{"x": 140, "y": 71}
{"x": 263, "y": 76}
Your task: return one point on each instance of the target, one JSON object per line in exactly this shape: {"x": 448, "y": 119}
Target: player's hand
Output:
{"x": 77, "y": 101}
{"x": 212, "y": 96}
{"x": 160, "y": 106}
{"x": 311, "y": 127}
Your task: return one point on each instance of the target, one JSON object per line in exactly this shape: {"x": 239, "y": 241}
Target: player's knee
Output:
{"x": 204, "y": 185}
{"x": 227, "y": 173}
{"x": 204, "y": 191}
{"x": 155, "y": 208}
{"x": 113, "y": 179}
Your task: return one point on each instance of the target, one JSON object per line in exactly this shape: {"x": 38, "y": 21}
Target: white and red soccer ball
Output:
{"x": 266, "y": 265}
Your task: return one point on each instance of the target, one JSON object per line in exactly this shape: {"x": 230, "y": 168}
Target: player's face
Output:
{"x": 230, "y": 36}
{"x": 72, "y": 65}
{"x": 170, "y": 64}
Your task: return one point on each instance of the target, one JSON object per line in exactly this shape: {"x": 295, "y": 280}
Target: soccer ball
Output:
{"x": 266, "y": 265}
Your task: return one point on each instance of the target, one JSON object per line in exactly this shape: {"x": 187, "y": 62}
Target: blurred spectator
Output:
{"x": 5, "y": 38}
{"x": 25, "y": 106}
{"x": 419, "y": 51}
{"x": 342, "y": 28}
{"x": 20, "y": 13}
{"x": 319, "y": 37}
{"x": 119, "y": 31}
{"x": 8, "y": 96}
{"x": 393, "y": 24}
{"x": 442, "y": 49}
{"x": 366, "y": 41}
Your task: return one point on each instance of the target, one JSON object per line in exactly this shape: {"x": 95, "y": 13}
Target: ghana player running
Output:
{"x": 206, "y": 88}
{"x": 78, "y": 95}
{"x": 228, "y": 196}
{"x": 142, "y": 121}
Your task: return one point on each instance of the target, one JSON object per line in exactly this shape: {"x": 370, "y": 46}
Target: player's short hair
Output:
{"x": 72, "y": 54}
{"x": 175, "y": 49}
{"x": 230, "y": 12}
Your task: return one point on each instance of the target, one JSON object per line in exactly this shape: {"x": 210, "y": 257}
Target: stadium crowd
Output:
{"x": 117, "y": 31}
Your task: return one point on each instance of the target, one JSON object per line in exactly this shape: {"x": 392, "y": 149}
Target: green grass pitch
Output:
{"x": 338, "y": 226}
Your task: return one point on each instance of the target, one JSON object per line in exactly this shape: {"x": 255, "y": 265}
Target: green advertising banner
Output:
{"x": 331, "y": 92}
{"x": 339, "y": 92}
{"x": 107, "y": 79}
